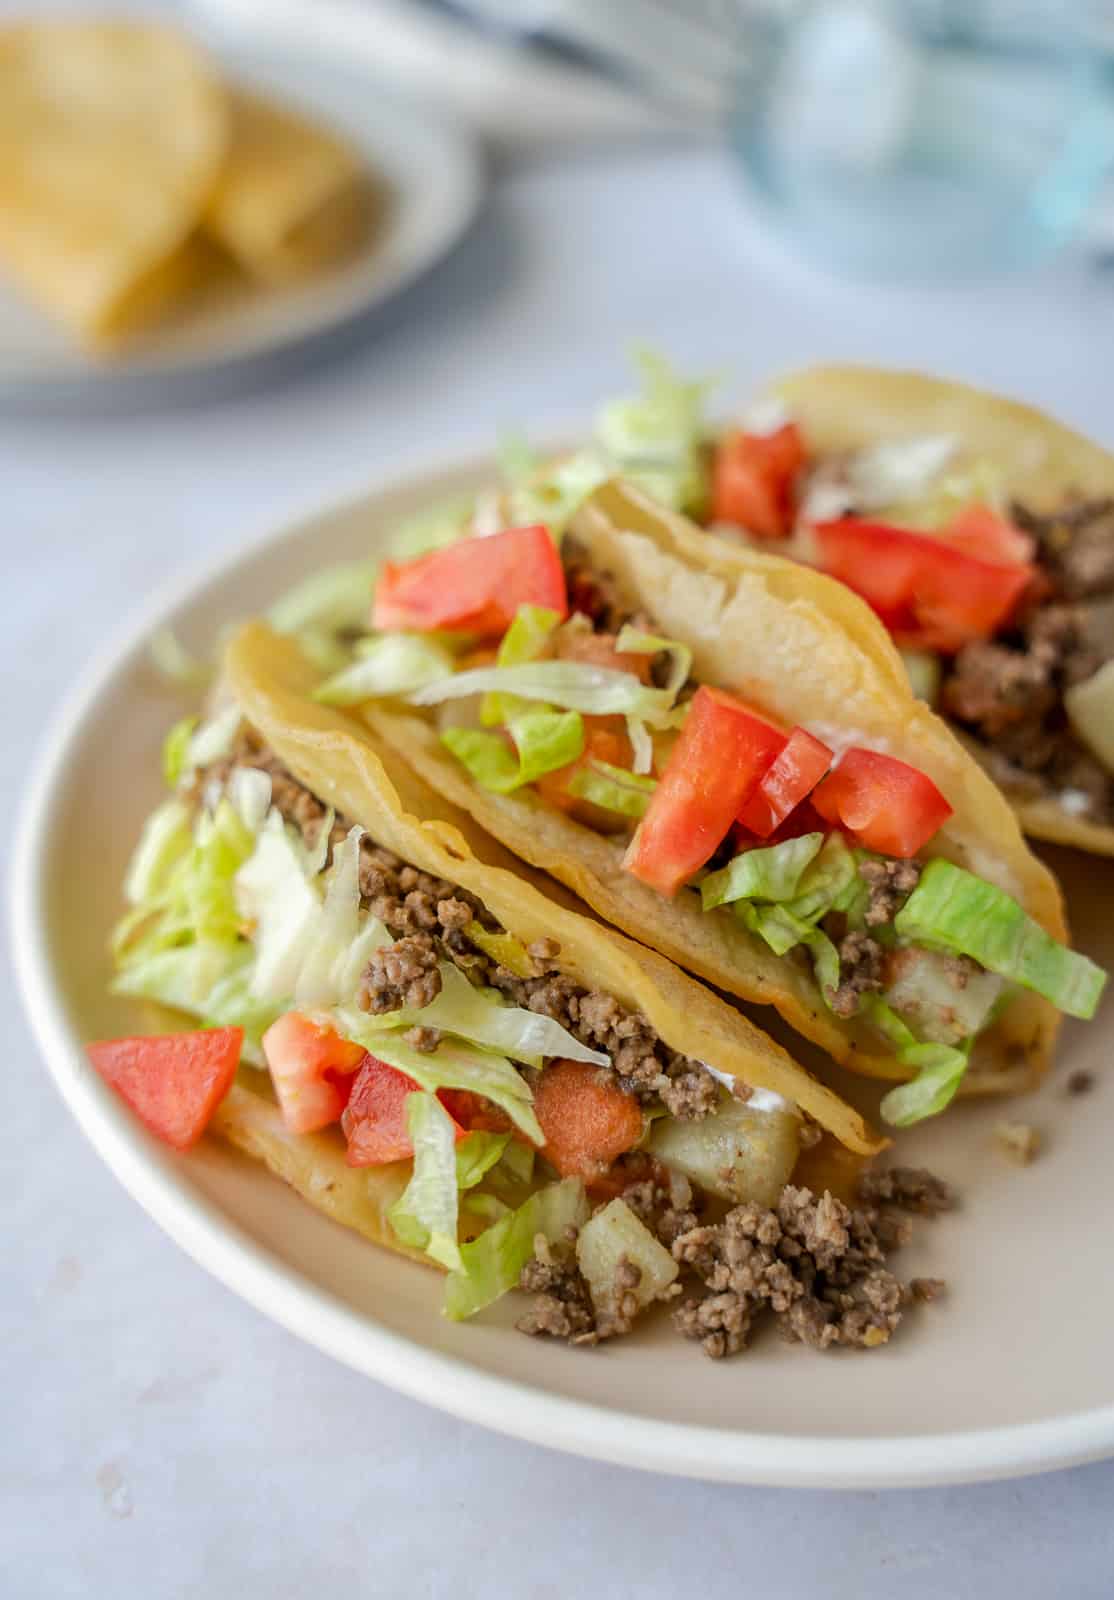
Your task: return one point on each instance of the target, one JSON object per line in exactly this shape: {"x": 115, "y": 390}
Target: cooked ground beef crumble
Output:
{"x": 817, "y": 1265}
{"x": 430, "y": 917}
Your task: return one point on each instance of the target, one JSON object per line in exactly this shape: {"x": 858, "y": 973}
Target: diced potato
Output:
{"x": 739, "y": 1153}
{"x": 605, "y": 1240}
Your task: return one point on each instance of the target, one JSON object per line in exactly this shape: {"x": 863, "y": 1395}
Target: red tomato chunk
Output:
{"x": 888, "y": 806}
{"x": 474, "y": 586}
{"x": 312, "y": 1069}
{"x": 754, "y": 480}
{"x": 722, "y": 752}
{"x": 173, "y": 1082}
{"x": 928, "y": 592}
{"x": 791, "y": 777}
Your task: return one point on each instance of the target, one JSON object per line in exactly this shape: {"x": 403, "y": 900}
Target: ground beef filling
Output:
{"x": 815, "y": 1264}
{"x": 429, "y": 916}
{"x": 1009, "y": 692}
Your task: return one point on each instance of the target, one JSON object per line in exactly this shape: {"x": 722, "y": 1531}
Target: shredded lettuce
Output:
{"x": 426, "y": 1214}
{"x": 951, "y": 909}
{"x": 276, "y": 892}
{"x": 517, "y": 1163}
{"x": 632, "y": 641}
{"x": 439, "y": 524}
{"x": 336, "y": 927}
{"x": 523, "y": 641}
{"x": 546, "y": 492}
{"x": 230, "y": 1003}
{"x": 656, "y": 438}
{"x": 613, "y": 788}
{"x": 450, "y": 1066}
{"x": 336, "y": 598}
{"x": 767, "y": 872}
{"x": 481, "y": 1017}
{"x": 182, "y": 976}
{"x": 897, "y": 470}
{"x": 249, "y": 790}
{"x": 175, "y": 663}
{"x": 165, "y": 839}
{"x": 175, "y": 748}
{"x": 642, "y": 746}
{"x": 939, "y": 1068}
{"x": 573, "y": 685}
{"x": 391, "y": 664}
{"x": 476, "y": 1154}
{"x": 543, "y": 741}
{"x": 493, "y": 1263}
{"x": 924, "y": 673}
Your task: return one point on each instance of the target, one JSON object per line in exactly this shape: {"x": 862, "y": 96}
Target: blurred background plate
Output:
{"x": 432, "y": 170}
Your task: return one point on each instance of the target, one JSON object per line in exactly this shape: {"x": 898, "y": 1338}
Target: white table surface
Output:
{"x": 160, "y": 1438}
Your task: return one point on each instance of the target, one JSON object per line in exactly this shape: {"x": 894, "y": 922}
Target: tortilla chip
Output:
{"x": 805, "y": 650}
{"x": 292, "y": 197}
{"x": 1042, "y": 462}
{"x": 111, "y": 135}
{"x": 345, "y": 765}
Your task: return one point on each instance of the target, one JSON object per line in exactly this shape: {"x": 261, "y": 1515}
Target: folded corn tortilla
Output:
{"x": 1041, "y": 463}
{"x": 804, "y": 649}
{"x": 291, "y": 196}
{"x": 111, "y": 136}
{"x": 346, "y": 766}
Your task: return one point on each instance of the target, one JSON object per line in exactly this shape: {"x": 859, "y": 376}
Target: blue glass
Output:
{"x": 925, "y": 137}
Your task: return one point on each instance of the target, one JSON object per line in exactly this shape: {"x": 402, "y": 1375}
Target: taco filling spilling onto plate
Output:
{"x": 557, "y": 1111}
{"x": 819, "y": 860}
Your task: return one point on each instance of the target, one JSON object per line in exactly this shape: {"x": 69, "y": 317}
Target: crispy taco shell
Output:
{"x": 1041, "y": 462}
{"x": 805, "y": 650}
{"x": 344, "y": 765}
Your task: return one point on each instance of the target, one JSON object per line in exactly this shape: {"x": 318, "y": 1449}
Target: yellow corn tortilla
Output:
{"x": 291, "y": 196}
{"x": 111, "y": 136}
{"x": 346, "y": 767}
{"x": 805, "y": 650}
{"x": 1041, "y": 462}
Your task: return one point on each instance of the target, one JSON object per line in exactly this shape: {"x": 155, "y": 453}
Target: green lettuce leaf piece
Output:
{"x": 182, "y": 976}
{"x": 175, "y": 750}
{"x": 213, "y": 740}
{"x": 450, "y": 1066}
{"x": 572, "y": 685}
{"x": 951, "y": 909}
{"x": 430, "y": 529}
{"x": 613, "y": 788}
{"x": 493, "y": 1263}
{"x": 656, "y": 438}
{"x": 831, "y": 882}
{"x": 523, "y": 641}
{"x": 230, "y": 1003}
{"x": 329, "y": 601}
{"x": 276, "y": 890}
{"x": 174, "y": 662}
{"x": 166, "y": 838}
{"x": 426, "y": 1214}
{"x": 767, "y": 872}
{"x": 632, "y": 641}
{"x": 389, "y": 665}
{"x": 481, "y": 1017}
{"x": 544, "y": 741}
{"x": 487, "y": 1206}
{"x": 476, "y": 1154}
{"x": 517, "y": 1164}
{"x": 939, "y": 1068}
{"x": 546, "y": 492}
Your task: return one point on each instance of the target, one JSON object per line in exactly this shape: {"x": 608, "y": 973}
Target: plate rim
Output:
{"x": 154, "y": 1178}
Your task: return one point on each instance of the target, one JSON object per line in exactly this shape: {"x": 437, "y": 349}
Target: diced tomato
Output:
{"x": 475, "y": 585}
{"x": 888, "y": 805}
{"x": 790, "y": 778}
{"x": 982, "y": 532}
{"x": 721, "y": 755}
{"x": 928, "y": 592}
{"x": 174, "y": 1081}
{"x": 598, "y": 650}
{"x": 754, "y": 480}
{"x": 312, "y": 1070}
{"x": 586, "y": 1118}
{"x": 605, "y": 739}
{"x": 474, "y": 1112}
{"x": 374, "y": 1120}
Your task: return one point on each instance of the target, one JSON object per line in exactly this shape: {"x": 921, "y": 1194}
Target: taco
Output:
{"x": 720, "y": 752}
{"x": 461, "y": 1060}
{"x": 982, "y": 533}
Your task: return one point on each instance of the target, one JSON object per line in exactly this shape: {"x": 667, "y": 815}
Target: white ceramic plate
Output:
{"x": 1010, "y": 1373}
{"x": 434, "y": 177}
